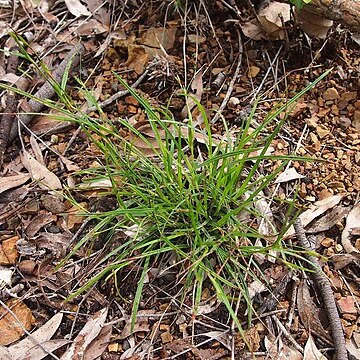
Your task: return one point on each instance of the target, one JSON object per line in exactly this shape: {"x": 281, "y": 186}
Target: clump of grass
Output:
{"x": 189, "y": 200}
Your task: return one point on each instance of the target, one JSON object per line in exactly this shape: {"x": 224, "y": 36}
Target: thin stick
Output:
{"x": 328, "y": 297}
{"x": 232, "y": 82}
{"x": 46, "y": 91}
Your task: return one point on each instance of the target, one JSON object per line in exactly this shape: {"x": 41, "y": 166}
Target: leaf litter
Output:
{"x": 330, "y": 114}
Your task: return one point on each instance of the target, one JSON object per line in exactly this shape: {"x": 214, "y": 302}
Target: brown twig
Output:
{"x": 104, "y": 103}
{"x": 324, "y": 286}
{"x": 232, "y": 82}
{"x": 47, "y": 90}
{"x": 8, "y": 117}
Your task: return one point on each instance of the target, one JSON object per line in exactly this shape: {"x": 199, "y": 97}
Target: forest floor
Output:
{"x": 170, "y": 47}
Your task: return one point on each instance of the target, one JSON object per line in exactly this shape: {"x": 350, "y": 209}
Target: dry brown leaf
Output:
{"x": 41, "y": 336}
{"x": 38, "y": 172}
{"x": 12, "y": 329}
{"x": 352, "y": 221}
{"x": 269, "y": 23}
{"x": 74, "y": 216}
{"x": 38, "y": 222}
{"x": 10, "y": 182}
{"x": 308, "y": 312}
{"x": 311, "y": 352}
{"x": 288, "y": 175}
{"x": 55, "y": 243}
{"x": 253, "y": 71}
{"x": 99, "y": 344}
{"x": 342, "y": 260}
{"x": 328, "y": 221}
{"x": 77, "y": 8}
{"x": 315, "y": 210}
{"x": 8, "y": 251}
{"x": 89, "y": 333}
{"x": 313, "y": 24}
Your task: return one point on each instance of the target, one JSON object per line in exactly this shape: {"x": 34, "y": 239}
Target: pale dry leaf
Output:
{"x": 313, "y": 24}
{"x": 77, "y": 8}
{"x": 352, "y": 221}
{"x": 327, "y": 221}
{"x": 4, "y": 353}
{"x": 10, "y": 182}
{"x": 289, "y": 353}
{"x": 20, "y": 82}
{"x": 40, "y": 336}
{"x": 36, "y": 150}
{"x": 309, "y": 312}
{"x": 288, "y": 175}
{"x": 5, "y": 277}
{"x": 220, "y": 336}
{"x": 197, "y": 87}
{"x": 311, "y": 352}
{"x": 99, "y": 344}
{"x": 273, "y": 18}
{"x": 353, "y": 348}
{"x": 269, "y": 23}
{"x": 38, "y": 172}
{"x": 87, "y": 335}
{"x": 37, "y": 352}
{"x": 314, "y": 211}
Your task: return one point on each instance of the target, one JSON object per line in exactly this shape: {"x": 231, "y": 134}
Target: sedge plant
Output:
{"x": 190, "y": 201}
{"x": 187, "y": 201}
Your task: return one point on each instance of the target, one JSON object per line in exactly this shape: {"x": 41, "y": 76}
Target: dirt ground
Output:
{"x": 169, "y": 45}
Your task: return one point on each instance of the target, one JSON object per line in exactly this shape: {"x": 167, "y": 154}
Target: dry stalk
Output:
{"x": 324, "y": 286}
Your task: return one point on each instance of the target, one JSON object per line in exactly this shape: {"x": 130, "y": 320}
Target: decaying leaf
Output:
{"x": 314, "y": 211}
{"x": 8, "y": 251}
{"x": 309, "y": 313}
{"x": 77, "y": 8}
{"x": 352, "y": 221}
{"x": 10, "y": 182}
{"x": 38, "y": 172}
{"x": 39, "y": 338}
{"x": 155, "y": 41}
{"x": 311, "y": 352}
{"x": 12, "y": 329}
{"x": 89, "y": 333}
{"x": 328, "y": 221}
{"x": 288, "y": 175}
{"x": 269, "y": 23}
{"x": 313, "y": 24}
{"x": 38, "y": 222}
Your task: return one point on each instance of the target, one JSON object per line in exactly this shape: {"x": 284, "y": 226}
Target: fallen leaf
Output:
{"x": 269, "y": 23}
{"x": 253, "y": 71}
{"x": 38, "y": 172}
{"x": 38, "y": 222}
{"x": 8, "y": 251}
{"x": 10, "y": 182}
{"x": 38, "y": 337}
{"x": 327, "y": 221}
{"x": 313, "y": 24}
{"x": 342, "y": 260}
{"x": 77, "y": 8}
{"x": 308, "y": 312}
{"x": 5, "y": 277}
{"x": 315, "y": 210}
{"x": 288, "y": 175}
{"x": 311, "y": 352}
{"x": 86, "y": 336}
{"x": 12, "y": 329}
{"x": 347, "y": 305}
{"x": 352, "y": 221}
{"x": 55, "y": 243}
